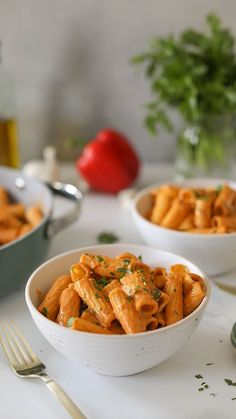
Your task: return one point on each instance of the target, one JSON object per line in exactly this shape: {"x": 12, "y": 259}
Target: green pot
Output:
{"x": 19, "y": 258}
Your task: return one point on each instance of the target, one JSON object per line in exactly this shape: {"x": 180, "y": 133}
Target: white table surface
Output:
{"x": 167, "y": 391}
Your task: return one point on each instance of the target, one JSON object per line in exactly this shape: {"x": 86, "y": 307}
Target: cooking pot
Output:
{"x": 20, "y": 257}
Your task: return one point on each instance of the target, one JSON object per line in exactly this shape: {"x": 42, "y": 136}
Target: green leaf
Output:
{"x": 70, "y": 321}
{"x": 107, "y": 237}
{"x": 194, "y": 72}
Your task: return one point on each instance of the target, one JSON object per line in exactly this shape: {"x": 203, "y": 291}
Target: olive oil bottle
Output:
{"x": 9, "y": 155}
{"x": 9, "y": 151}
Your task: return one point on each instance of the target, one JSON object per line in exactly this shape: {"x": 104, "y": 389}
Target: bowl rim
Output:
{"x": 35, "y": 313}
{"x": 146, "y": 192}
{"x": 46, "y": 216}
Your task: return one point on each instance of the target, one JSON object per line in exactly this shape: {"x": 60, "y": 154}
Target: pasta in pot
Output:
{"x": 196, "y": 210}
{"x": 121, "y": 295}
{"x": 15, "y": 219}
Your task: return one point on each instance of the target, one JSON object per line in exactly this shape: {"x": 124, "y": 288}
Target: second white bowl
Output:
{"x": 213, "y": 253}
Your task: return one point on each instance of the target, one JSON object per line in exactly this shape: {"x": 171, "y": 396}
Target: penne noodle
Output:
{"x": 126, "y": 313}
{"x": 202, "y": 213}
{"x": 225, "y": 203}
{"x": 109, "y": 287}
{"x": 105, "y": 266}
{"x": 163, "y": 201}
{"x": 96, "y": 301}
{"x": 161, "y": 320}
{"x": 187, "y": 223}
{"x": 89, "y": 316}
{"x": 158, "y": 277}
{"x": 9, "y": 221}
{"x": 79, "y": 271}
{"x": 187, "y": 283}
{"x": 87, "y": 326}
{"x": 163, "y": 301}
{"x": 188, "y": 195}
{"x": 179, "y": 269}
{"x": 50, "y": 305}
{"x": 137, "y": 286}
{"x": 34, "y": 216}
{"x": 18, "y": 210}
{"x": 174, "y": 289}
{"x": 193, "y": 298}
{"x": 69, "y": 305}
{"x": 145, "y": 303}
{"x": 151, "y": 323}
{"x": 177, "y": 213}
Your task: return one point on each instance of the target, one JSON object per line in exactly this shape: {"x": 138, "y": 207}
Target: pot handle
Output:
{"x": 70, "y": 192}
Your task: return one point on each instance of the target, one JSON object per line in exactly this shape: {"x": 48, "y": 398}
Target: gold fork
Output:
{"x": 25, "y": 363}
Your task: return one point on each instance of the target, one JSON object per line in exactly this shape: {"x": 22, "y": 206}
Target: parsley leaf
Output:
{"x": 107, "y": 237}
{"x": 156, "y": 293}
{"x": 70, "y": 321}
{"x": 45, "y": 311}
{"x": 229, "y": 382}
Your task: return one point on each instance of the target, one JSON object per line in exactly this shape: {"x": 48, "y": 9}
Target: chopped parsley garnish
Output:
{"x": 156, "y": 293}
{"x": 201, "y": 389}
{"x": 100, "y": 258}
{"x": 140, "y": 257}
{"x": 107, "y": 237}
{"x": 229, "y": 382}
{"x": 198, "y": 376}
{"x": 233, "y": 398}
{"x": 126, "y": 261}
{"x": 123, "y": 271}
{"x": 97, "y": 295}
{"x": 209, "y": 363}
{"x": 45, "y": 311}
{"x": 100, "y": 283}
{"x": 70, "y": 321}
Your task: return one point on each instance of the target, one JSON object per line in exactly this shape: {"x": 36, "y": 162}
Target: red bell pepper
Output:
{"x": 109, "y": 163}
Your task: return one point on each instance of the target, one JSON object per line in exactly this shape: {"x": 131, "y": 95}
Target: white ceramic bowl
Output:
{"x": 116, "y": 355}
{"x": 214, "y": 254}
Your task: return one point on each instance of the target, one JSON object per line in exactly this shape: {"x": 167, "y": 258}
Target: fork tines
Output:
{"x": 15, "y": 346}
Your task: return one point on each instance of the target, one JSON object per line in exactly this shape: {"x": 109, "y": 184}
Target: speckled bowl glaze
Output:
{"x": 213, "y": 253}
{"x": 115, "y": 355}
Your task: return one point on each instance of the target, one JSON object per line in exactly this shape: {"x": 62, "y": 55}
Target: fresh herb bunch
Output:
{"x": 195, "y": 73}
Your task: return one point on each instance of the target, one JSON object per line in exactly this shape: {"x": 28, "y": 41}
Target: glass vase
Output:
{"x": 207, "y": 149}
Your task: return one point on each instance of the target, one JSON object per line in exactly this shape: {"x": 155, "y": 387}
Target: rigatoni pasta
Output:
{"x": 15, "y": 219}
{"x": 208, "y": 210}
{"x": 121, "y": 295}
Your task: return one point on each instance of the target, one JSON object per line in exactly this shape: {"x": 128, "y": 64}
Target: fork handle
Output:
{"x": 60, "y": 394}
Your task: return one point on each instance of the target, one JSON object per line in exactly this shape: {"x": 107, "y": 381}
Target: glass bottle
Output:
{"x": 9, "y": 145}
